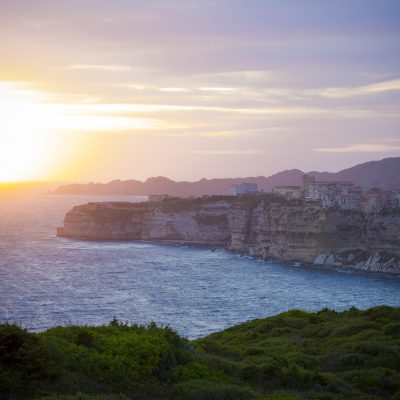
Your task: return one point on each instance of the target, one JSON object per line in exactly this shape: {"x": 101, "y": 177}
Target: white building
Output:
{"x": 243, "y": 188}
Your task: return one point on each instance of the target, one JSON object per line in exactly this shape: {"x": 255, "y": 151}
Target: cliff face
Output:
{"x": 307, "y": 233}
{"x": 207, "y": 224}
{"x": 276, "y": 231}
{"x": 261, "y": 228}
{"x": 105, "y": 221}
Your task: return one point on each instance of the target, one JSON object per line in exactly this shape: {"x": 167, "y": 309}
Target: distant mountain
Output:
{"x": 384, "y": 174}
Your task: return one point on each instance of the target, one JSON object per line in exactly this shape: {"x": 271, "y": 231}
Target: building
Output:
{"x": 343, "y": 195}
{"x": 289, "y": 192}
{"x": 317, "y": 189}
{"x": 377, "y": 199}
{"x": 354, "y": 199}
{"x": 338, "y": 194}
{"x": 349, "y": 201}
{"x": 307, "y": 183}
{"x": 243, "y": 188}
{"x": 397, "y": 200}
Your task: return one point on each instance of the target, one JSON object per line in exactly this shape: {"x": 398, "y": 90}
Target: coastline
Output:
{"x": 257, "y": 226}
{"x": 224, "y": 246}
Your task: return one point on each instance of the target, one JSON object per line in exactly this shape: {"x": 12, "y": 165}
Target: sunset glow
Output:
{"x": 133, "y": 89}
{"x": 33, "y": 129}
{"x": 24, "y": 125}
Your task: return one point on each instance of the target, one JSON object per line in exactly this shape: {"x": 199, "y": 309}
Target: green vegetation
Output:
{"x": 251, "y": 201}
{"x": 247, "y": 201}
{"x": 296, "y": 355}
{"x": 179, "y": 204}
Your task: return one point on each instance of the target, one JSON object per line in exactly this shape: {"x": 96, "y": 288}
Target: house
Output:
{"x": 317, "y": 189}
{"x": 347, "y": 196}
{"x": 376, "y": 199}
{"x": 338, "y": 194}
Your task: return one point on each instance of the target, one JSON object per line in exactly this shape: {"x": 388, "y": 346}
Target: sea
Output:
{"x": 48, "y": 281}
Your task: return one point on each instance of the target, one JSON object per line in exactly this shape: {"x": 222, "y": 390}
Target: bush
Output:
{"x": 208, "y": 390}
{"x": 379, "y": 381}
{"x": 82, "y": 396}
{"x": 282, "y": 396}
{"x": 393, "y": 330}
{"x": 24, "y": 359}
{"x": 193, "y": 371}
{"x": 295, "y": 355}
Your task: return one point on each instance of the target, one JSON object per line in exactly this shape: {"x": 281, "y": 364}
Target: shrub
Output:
{"x": 192, "y": 371}
{"x": 208, "y": 390}
{"x": 81, "y": 396}
{"x": 282, "y": 396}
{"x": 379, "y": 381}
{"x": 321, "y": 356}
{"x": 393, "y": 330}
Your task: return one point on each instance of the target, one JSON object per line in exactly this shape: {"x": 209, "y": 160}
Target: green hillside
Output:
{"x": 295, "y": 355}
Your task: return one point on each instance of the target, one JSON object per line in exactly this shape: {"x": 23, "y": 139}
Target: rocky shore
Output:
{"x": 261, "y": 226}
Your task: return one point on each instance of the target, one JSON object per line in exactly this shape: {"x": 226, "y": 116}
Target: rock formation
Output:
{"x": 261, "y": 226}
{"x": 206, "y": 225}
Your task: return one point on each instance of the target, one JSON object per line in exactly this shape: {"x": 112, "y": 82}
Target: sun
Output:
{"x": 23, "y": 144}
{"x": 43, "y": 136}
{"x": 19, "y": 157}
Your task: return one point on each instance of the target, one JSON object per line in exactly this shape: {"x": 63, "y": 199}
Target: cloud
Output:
{"x": 245, "y": 131}
{"x": 134, "y": 86}
{"x": 99, "y": 67}
{"x": 173, "y": 89}
{"x": 244, "y": 77}
{"x": 41, "y": 24}
{"x": 226, "y": 152}
{"x": 362, "y": 148}
{"x": 255, "y": 112}
{"x": 217, "y": 89}
{"x": 359, "y": 91}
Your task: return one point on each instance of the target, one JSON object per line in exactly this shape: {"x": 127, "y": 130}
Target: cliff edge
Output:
{"x": 261, "y": 226}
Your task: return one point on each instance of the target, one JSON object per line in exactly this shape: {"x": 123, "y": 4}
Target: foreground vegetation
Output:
{"x": 295, "y": 355}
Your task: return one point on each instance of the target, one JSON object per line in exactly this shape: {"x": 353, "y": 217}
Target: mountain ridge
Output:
{"x": 382, "y": 173}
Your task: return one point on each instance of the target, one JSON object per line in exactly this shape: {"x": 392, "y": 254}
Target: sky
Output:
{"x": 95, "y": 90}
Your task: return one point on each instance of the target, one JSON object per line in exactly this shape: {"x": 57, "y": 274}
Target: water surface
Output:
{"x": 47, "y": 281}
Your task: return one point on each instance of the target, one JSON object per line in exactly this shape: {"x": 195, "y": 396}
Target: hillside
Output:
{"x": 161, "y": 185}
{"x": 292, "y": 356}
{"x": 382, "y": 173}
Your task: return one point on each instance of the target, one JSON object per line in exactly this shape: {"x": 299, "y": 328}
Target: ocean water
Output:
{"x": 47, "y": 281}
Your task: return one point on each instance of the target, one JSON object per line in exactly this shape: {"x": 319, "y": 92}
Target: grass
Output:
{"x": 325, "y": 355}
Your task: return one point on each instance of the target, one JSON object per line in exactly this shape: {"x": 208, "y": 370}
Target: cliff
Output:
{"x": 201, "y": 223}
{"x": 307, "y": 233}
{"x": 261, "y": 226}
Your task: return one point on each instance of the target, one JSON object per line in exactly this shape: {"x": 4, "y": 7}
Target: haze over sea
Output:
{"x": 47, "y": 281}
